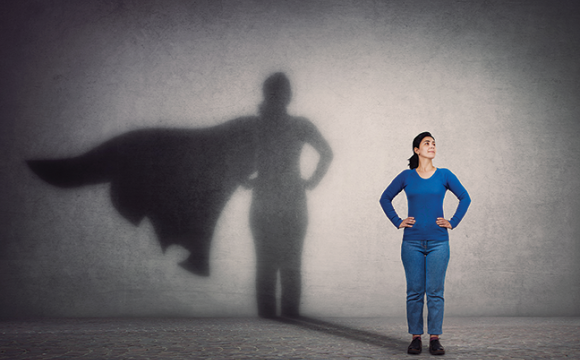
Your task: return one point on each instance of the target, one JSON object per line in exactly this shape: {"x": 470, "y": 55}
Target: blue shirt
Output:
{"x": 425, "y": 202}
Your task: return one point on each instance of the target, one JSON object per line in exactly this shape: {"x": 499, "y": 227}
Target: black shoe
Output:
{"x": 415, "y": 347}
{"x": 435, "y": 347}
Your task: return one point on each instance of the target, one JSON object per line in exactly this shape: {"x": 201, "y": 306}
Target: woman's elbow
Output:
{"x": 466, "y": 199}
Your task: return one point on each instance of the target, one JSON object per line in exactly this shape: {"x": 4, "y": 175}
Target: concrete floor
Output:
{"x": 304, "y": 338}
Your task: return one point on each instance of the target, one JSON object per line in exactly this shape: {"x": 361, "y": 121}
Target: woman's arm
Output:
{"x": 456, "y": 188}
{"x": 396, "y": 186}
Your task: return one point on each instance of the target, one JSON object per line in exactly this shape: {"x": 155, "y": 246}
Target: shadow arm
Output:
{"x": 315, "y": 139}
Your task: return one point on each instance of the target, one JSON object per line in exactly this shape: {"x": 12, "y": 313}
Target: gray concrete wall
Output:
{"x": 496, "y": 82}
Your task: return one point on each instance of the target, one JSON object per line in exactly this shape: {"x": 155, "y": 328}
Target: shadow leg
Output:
{"x": 266, "y": 289}
{"x": 291, "y": 282}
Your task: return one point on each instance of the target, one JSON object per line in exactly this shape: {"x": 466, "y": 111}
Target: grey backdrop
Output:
{"x": 496, "y": 82}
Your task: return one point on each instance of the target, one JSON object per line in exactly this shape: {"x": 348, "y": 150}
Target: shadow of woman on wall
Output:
{"x": 181, "y": 180}
{"x": 278, "y": 214}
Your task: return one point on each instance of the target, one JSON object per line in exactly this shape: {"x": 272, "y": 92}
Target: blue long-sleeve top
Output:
{"x": 425, "y": 203}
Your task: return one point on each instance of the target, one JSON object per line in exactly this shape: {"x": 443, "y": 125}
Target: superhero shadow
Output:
{"x": 180, "y": 179}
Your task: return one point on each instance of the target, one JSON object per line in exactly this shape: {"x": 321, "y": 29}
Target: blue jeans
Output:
{"x": 425, "y": 265}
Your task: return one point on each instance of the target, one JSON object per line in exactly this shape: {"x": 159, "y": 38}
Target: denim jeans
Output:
{"x": 425, "y": 265}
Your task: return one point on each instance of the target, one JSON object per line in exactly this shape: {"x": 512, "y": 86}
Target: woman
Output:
{"x": 425, "y": 248}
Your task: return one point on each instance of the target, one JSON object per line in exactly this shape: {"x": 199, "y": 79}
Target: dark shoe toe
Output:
{"x": 435, "y": 347}
{"x": 415, "y": 347}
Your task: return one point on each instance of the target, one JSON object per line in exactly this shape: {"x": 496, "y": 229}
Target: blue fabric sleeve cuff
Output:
{"x": 453, "y": 223}
{"x": 398, "y": 223}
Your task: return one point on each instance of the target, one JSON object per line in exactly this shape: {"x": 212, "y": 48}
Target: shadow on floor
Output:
{"x": 346, "y": 332}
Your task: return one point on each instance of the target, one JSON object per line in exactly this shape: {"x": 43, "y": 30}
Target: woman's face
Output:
{"x": 427, "y": 148}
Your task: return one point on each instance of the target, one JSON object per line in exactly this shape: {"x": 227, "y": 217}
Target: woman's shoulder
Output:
{"x": 405, "y": 173}
{"x": 446, "y": 173}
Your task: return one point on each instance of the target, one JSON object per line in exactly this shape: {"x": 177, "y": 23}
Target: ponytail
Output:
{"x": 414, "y": 161}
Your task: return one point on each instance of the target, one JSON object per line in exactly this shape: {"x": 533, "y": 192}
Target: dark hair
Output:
{"x": 414, "y": 160}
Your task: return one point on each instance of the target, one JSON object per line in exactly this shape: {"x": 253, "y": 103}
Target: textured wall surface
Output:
{"x": 496, "y": 82}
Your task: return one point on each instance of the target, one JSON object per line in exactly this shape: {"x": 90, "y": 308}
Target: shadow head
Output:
{"x": 276, "y": 90}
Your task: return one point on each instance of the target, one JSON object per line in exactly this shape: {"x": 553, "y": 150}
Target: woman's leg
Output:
{"x": 413, "y": 256}
{"x": 436, "y": 266}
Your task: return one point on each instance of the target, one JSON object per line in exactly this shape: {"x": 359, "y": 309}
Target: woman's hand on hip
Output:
{"x": 407, "y": 223}
{"x": 444, "y": 223}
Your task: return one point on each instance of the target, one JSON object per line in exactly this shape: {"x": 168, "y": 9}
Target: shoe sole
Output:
{"x": 437, "y": 352}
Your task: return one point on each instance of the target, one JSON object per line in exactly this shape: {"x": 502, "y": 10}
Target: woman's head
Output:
{"x": 424, "y": 146}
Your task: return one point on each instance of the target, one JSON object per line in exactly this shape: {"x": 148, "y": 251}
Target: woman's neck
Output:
{"x": 425, "y": 165}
